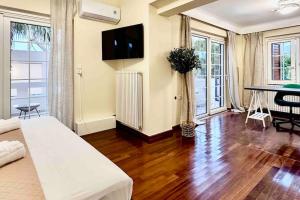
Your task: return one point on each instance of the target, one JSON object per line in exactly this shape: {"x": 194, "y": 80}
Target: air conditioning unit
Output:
{"x": 94, "y": 10}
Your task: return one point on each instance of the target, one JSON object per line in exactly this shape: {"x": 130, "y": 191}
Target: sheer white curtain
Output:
{"x": 186, "y": 42}
{"x": 61, "y": 76}
{"x": 253, "y": 63}
{"x": 232, "y": 69}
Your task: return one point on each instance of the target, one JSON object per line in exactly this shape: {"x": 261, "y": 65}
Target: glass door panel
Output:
{"x": 217, "y": 75}
{"x": 29, "y": 57}
{"x": 200, "y": 46}
{"x": 19, "y": 95}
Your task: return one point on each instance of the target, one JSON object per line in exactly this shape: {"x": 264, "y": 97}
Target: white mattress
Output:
{"x": 69, "y": 168}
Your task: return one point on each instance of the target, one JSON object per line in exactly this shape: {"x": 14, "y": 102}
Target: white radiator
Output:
{"x": 275, "y": 107}
{"x": 129, "y": 99}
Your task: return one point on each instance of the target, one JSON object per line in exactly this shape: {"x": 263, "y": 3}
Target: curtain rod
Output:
{"x": 215, "y": 26}
{"x": 275, "y": 29}
{"x": 195, "y": 19}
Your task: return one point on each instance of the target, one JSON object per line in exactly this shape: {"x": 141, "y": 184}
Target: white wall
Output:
{"x": 136, "y": 12}
{"x": 176, "y": 78}
{"x": 95, "y": 91}
{"x": 161, "y": 84}
{"x": 160, "y": 73}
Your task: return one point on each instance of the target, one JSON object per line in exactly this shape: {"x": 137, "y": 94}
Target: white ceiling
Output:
{"x": 245, "y": 16}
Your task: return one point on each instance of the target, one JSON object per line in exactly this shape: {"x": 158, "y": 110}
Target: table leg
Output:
{"x": 255, "y": 101}
{"x": 260, "y": 107}
{"x": 259, "y": 101}
{"x": 25, "y": 115}
{"x": 268, "y": 108}
{"x": 37, "y": 112}
{"x": 20, "y": 114}
{"x": 250, "y": 106}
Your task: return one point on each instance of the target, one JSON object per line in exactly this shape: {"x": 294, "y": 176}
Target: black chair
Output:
{"x": 279, "y": 100}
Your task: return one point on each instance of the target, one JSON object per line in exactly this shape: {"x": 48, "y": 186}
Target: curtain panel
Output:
{"x": 61, "y": 75}
{"x": 186, "y": 42}
{"x": 232, "y": 70}
{"x": 253, "y": 64}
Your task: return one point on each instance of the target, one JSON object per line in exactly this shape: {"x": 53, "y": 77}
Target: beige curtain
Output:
{"x": 253, "y": 63}
{"x": 232, "y": 70}
{"x": 61, "y": 83}
{"x": 186, "y": 42}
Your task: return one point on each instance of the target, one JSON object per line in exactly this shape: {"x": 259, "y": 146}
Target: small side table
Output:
{"x": 28, "y": 109}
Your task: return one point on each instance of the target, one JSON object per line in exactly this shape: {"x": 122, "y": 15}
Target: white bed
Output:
{"x": 69, "y": 168}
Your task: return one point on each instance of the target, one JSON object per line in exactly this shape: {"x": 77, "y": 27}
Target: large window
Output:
{"x": 29, "y": 57}
{"x": 282, "y": 60}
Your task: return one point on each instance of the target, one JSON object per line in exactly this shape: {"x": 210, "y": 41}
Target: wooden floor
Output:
{"x": 226, "y": 160}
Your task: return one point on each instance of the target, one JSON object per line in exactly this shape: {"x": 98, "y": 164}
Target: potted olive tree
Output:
{"x": 184, "y": 60}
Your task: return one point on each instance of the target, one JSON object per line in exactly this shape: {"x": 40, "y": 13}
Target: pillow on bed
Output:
{"x": 11, "y": 151}
{"x": 9, "y": 125}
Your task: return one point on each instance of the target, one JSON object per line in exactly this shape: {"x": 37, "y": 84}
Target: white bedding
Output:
{"x": 69, "y": 168}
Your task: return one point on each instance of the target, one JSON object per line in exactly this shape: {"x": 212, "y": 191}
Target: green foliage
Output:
{"x": 30, "y": 32}
{"x": 215, "y": 47}
{"x": 287, "y": 68}
{"x": 200, "y": 44}
{"x": 184, "y": 60}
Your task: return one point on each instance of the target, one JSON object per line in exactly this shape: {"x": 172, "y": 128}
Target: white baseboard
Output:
{"x": 94, "y": 126}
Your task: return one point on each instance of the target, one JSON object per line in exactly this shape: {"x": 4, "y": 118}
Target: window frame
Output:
{"x": 6, "y": 17}
{"x": 222, "y": 74}
{"x": 294, "y": 59}
{"x": 213, "y": 39}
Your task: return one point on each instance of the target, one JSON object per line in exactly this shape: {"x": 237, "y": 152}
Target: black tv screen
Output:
{"x": 123, "y": 43}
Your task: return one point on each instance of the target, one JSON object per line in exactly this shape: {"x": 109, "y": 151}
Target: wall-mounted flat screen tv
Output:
{"x": 123, "y": 43}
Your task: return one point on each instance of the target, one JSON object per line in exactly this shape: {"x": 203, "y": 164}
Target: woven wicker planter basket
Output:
{"x": 188, "y": 129}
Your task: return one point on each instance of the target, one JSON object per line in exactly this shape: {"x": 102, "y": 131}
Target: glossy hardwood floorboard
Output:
{"x": 226, "y": 160}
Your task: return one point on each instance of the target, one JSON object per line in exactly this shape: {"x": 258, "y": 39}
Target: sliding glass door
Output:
{"x": 210, "y": 79}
